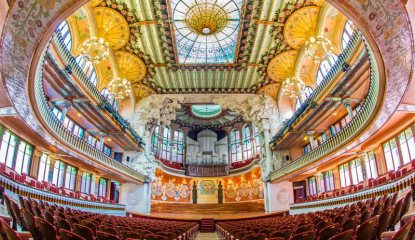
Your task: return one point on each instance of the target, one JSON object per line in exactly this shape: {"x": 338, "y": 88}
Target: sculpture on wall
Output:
{"x": 194, "y": 193}
{"x": 220, "y": 192}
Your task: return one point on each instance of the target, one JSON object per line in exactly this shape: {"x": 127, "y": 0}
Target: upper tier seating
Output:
{"x": 390, "y": 176}
{"x": 46, "y": 186}
{"x": 365, "y": 220}
{"x": 57, "y": 223}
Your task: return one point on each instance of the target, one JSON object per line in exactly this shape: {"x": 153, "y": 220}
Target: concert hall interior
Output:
{"x": 207, "y": 119}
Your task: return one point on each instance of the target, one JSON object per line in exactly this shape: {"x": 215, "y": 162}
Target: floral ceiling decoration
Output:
{"x": 281, "y": 44}
{"x": 231, "y": 22}
{"x": 124, "y": 34}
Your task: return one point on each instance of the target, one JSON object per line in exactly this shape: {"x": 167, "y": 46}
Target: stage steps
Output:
{"x": 207, "y": 225}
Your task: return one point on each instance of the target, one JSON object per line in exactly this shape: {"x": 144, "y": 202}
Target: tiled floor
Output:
{"x": 207, "y": 236}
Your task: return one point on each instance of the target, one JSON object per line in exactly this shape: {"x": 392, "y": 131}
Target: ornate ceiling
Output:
{"x": 211, "y": 46}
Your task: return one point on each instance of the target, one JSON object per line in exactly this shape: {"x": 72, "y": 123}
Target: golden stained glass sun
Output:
{"x": 206, "y": 19}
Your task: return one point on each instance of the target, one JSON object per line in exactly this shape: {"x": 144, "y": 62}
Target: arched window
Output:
{"x": 247, "y": 141}
{"x": 65, "y": 33}
{"x": 110, "y": 98}
{"x": 325, "y": 67}
{"x": 347, "y": 33}
{"x": 178, "y": 146}
{"x": 235, "y": 144}
{"x": 88, "y": 68}
{"x": 257, "y": 140}
{"x": 155, "y": 141}
{"x": 165, "y": 143}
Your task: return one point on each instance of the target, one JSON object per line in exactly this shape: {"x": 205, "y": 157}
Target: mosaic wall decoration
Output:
{"x": 244, "y": 187}
{"x": 207, "y": 187}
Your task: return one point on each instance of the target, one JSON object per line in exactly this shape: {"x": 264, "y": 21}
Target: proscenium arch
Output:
{"x": 22, "y": 45}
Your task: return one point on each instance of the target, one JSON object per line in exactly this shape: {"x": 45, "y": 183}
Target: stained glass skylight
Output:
{"x": 206, "y": 31}
{"x": 206, "y": 111}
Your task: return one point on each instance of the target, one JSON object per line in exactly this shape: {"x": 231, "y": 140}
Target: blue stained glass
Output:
{"x": 206, "y": 31}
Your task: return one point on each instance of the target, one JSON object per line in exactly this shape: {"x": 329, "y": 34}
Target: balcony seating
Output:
{"x": 356, "y": 221}
{"x": 390, "y": 176}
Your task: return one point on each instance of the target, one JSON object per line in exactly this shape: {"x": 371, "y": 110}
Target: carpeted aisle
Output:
{"x": 207, "y": 236}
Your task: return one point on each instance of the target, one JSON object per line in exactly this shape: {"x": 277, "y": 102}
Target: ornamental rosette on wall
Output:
{"x": 281, "y": 16}
{"x": 250, "y": 13}
{"x": 132, "y": 45}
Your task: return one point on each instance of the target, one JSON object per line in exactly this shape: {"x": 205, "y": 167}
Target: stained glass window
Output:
{"x": 178, "y": 146}
{"x": 235, "y": 143}
{"x": 65, "y": 33}
{"x": 44, "y": 166}
{"x": 206, "y": 31}
{"x": 247, "y": 141}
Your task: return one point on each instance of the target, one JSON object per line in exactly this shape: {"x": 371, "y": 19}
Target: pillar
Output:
{"x": 346, "y": 103}
{"x": 363, "y": 158}
{"x": 336, "y": 176}
{"x": 268, "y": 152}
{"x": 267, "y": 195}
{"x": 34, "y": 168}
{"x": 108, "y": 190}
{"x": 78, "y": 182}
{"x": 101, "y": 141}
{"x": 310, "y": 135}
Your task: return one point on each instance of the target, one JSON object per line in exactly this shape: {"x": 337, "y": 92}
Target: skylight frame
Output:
{"x": 236, "y": 34}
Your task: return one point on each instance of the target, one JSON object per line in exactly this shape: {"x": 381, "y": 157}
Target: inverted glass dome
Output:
{"x": 206, "y": 110}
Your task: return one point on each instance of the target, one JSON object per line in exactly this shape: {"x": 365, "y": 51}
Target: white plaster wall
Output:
{"x": 280, "y": 196}
{"x": 136, "y": 197}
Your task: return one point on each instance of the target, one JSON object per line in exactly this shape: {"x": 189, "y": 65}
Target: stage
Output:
{"x": 199, "y": 216}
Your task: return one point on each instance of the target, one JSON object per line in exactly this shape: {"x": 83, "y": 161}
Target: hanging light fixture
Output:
{"x": 293, "y": 87}
{"x": 95, "y": 49}
{"x": 120, "y": 87}
{"x": 318, "y": 48}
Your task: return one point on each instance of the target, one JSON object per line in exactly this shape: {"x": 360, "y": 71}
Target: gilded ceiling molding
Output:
{"x": 131, "y": 45}
{"x": 249, "y": 18}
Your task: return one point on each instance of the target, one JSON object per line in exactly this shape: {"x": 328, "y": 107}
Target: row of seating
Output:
{"x": 365, "y": 220}
{"x": 51, "y": 222}
{"x": 46, "y": 186}
{"x": 401, "y": 172}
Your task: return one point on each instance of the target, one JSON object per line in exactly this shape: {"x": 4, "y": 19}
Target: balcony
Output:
{"x": 357, "y": 125}
{"x": 65, "y": 137}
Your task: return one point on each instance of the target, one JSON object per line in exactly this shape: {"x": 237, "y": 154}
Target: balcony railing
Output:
{"x": 14, "y": 189}
{"x": 338, "y": 66}
{"x": 340, "y": 201}
{"x": 72, "y": 67}
{"x": 354, "y": 127}
{"x": 66, "y": 136}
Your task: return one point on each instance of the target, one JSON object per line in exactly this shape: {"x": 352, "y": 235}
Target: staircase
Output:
{"x": 207, "y": 225}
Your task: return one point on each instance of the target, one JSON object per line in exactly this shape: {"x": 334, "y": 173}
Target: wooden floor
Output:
{"x": 207, "y": 236}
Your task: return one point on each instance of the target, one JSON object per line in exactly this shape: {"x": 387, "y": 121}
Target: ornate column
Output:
{"x": 108, "y": 190}
{"x": 102, "y": 141}
{"x": 66, "y": 104}
{"x": 34, "y": 168}
{"x": 310, "y": 135}
{"x": 336, "y": 176}
{"x": 363, "y": 158}
{"x": 78, "y": 182}
{"x": 346, "y": 103}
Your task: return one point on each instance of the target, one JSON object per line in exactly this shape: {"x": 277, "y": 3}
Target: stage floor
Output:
{"x": 199, "y": 216}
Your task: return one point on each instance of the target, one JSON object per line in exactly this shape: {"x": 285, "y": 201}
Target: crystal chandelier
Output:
{"x": 318, "y": 48}
{"x": 293, "y": 87}
{"x": 95, "y": 49}
{"x": 120, "y": 87}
